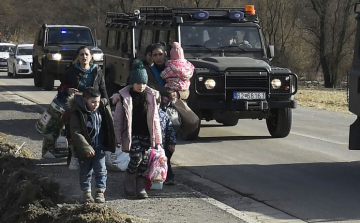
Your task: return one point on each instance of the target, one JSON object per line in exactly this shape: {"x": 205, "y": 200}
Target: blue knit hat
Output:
{"x": 138, "y": 73}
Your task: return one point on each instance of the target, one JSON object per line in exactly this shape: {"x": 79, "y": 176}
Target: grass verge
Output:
{"x": 325, "y": 99}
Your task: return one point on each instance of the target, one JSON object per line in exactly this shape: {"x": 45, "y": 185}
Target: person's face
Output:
{"x": 139, "y": 87}
{"x": 93, "y": 103}
{"x": 158, "y": 56}
{"x": 84, "y": 57}
{"x": 149, "y": 59}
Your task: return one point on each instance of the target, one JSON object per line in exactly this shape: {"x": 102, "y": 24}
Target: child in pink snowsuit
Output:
{"x": 178, "y": 70}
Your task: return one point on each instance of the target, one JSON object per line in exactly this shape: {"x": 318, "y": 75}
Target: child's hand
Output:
{"x": 91, "y": 153}
{"x": 73, "y": 91}
{"x": 174, "y": 95}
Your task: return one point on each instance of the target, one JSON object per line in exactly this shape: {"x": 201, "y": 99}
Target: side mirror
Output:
{"x": 98, "y": 42}
{"x": 124, "y": 47}
{"x": 271, "y": 52}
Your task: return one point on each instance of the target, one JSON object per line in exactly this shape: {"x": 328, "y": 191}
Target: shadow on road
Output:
{"x": 314, "y": 192}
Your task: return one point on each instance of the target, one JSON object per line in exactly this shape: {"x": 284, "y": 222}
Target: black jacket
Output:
{"x": 78, "y": 129}
{"x": 72, "y": 77}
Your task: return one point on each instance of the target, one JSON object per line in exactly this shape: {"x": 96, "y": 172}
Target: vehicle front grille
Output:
{"x": 67, "y": 56}
{"x": 248, "y": 83}
{"x": 3, "y": 60}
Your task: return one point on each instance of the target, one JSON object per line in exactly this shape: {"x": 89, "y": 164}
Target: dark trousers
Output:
{"x": 139, "y": 155}
{"x": 170, "y": 174}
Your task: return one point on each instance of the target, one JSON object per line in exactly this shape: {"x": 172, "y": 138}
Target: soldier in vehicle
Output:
{"x": 228, "y": 38}
{"x": 215, "y": 37}
{"x": 244, "y": 40}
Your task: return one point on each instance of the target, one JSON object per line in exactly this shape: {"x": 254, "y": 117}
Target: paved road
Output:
{"x": 310, "y": 175}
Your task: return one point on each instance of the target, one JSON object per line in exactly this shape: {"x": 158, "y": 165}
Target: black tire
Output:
{"x": 230, "y": 121}
{"x": 9, "y": 74}
{"x": 192, "y": 136}
{"x": 279, "y": 122}
{"x": 37, "y": 75}
{"x": 48, "y": 80}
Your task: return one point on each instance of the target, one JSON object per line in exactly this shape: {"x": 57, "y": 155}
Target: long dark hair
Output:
{"x": 81, "y": 48}
{"x": 160, "y": 45}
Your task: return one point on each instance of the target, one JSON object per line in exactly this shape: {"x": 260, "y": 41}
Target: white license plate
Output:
{"x": 250, "y": 95}
{"x": 3, "y": 63}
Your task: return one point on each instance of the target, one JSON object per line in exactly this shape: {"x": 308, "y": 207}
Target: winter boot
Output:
{"x": 129, "y": 184}
{"x": 87, "y": 198}
{"x": 140, "y": 188}
{"x": 99, "y": 197}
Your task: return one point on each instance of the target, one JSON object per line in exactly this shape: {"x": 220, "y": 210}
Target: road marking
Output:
{"x": 318, "y": 138}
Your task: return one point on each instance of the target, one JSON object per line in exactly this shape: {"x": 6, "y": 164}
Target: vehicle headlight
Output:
{"x": 275, "y": 83}
{"x": 20, "y": 62}
{"x": 98, "y": 56}
{"x": 210, "y": 84}
{"x": 54, "y": 56}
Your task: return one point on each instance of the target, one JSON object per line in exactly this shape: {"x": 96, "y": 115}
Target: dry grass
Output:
{"x": 325, "y": 99}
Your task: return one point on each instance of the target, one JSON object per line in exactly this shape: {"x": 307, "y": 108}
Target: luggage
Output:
{"x": 49, "y": 125}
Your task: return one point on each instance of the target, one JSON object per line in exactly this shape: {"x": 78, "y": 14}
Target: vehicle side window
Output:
{"x": 162, "y": 36}
{"x": 111, "y": 39}
{"x": 40, "y": 38}
{"x": 119, "y": 40}
{"x": 128, "y": 41}
{"x": 146, "y": 38}
{"x": 137, "y": 40}
{"x": 172, "y": 37}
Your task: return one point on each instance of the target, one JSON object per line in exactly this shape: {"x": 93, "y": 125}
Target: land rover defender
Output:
{"x": 233, "y": 77}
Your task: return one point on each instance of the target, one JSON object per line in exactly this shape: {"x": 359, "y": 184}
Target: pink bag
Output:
{"x": 158, "y": 168}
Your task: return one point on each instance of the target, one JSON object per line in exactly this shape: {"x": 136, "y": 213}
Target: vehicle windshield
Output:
{"x": 242, "y": 37}
{"x": 6, "y": 48}
{"x": 80, "y": 36}
{"x": 24, "y": 51}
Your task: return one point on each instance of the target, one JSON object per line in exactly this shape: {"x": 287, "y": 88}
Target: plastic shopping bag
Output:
{"x": 158, "y": 168}
{"x": 118, "y": 160}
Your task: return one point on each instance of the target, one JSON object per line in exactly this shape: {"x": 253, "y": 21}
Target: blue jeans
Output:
{"x": 94, "y": 164}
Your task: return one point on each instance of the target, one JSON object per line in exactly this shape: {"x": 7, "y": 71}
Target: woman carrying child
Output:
{"x": 137, "y": 127}
{"x": 178, "y": 70}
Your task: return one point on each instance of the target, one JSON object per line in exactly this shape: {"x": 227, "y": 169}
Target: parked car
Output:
{"x": 5, "y": 48}
{"x": 20, "y": 61}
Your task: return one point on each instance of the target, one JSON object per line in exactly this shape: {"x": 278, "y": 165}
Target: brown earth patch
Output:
{"x": 27, "y": 197}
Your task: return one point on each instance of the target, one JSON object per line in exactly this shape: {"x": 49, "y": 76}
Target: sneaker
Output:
{"x": 74, "y": 163}
{"x": 87, "y": 198}
{"x": 99, "y": 198}
{"x": 169, "y": 182}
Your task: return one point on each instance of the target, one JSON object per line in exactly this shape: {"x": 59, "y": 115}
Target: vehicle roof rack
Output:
{"x": 163, "y": 13}
{"x": 119, "y": 18}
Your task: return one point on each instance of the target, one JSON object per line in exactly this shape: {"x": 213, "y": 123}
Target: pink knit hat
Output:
{"x": 176, "y": 52}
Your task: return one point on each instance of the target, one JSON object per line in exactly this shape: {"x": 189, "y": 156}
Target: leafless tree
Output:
{"x": 328, "y": 24}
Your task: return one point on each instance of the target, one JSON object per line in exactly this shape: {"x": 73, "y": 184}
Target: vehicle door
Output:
{"x": 38, "y": 48}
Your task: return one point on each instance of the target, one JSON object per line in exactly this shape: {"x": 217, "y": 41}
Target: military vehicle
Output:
{"x": 233, "y": 77}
